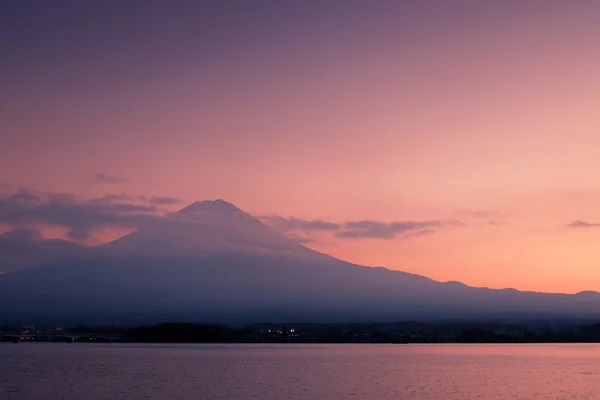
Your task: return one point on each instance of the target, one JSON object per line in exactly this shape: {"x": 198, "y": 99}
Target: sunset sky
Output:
{"x": 455, "y": 139}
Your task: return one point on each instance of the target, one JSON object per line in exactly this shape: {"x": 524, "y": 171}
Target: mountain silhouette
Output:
{"x": 212, "y": 262}
{"x": 211, "y": 227}
{"x": 21, "y": 248}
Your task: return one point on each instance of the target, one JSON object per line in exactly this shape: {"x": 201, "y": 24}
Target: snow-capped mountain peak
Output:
{"x": 208, "y": 227}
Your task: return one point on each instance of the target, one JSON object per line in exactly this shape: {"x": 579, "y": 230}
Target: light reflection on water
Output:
{"x": 52, "y": 371}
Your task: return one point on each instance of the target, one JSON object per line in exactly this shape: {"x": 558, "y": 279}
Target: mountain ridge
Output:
{"x": 212, "y": 261}
{"x": 207, "y": 227}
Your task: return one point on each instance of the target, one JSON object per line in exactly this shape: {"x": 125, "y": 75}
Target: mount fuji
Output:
{"x": 212, "y": 262}
{"x": 211, "y": 227}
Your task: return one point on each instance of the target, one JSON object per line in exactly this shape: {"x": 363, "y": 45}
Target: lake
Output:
{"x": 53, "y": 371}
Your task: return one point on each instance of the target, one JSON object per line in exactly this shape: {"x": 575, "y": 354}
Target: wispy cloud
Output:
{"x": 583, "y": 224}
{"x": 161, "y": 201}
{"x": 80, "y": 216}
{"x": 287, "y": 224}
{"x": 112, "y": 198}
{"x": 117, "y": 198}
{"x": 496, "y": 223}
{"x": 24, "y": 197}
{"x": 484, "y": 217}
{"x": 383, "y": 230}
{"x": 358, "y": 229}
{"x": 110, "y": 179}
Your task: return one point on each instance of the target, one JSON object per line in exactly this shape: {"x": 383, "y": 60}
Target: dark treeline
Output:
{"x": 402, "y": 332}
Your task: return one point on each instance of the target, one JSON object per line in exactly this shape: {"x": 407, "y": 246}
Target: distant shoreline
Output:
{"x": 393, "y": 333}
{"x": 290, "y": 343}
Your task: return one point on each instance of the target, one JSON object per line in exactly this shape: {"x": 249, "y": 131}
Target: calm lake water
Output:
{"x": 38, "y": 371}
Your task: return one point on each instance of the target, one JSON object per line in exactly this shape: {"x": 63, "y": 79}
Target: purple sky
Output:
{"x": 482, "y": 112}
